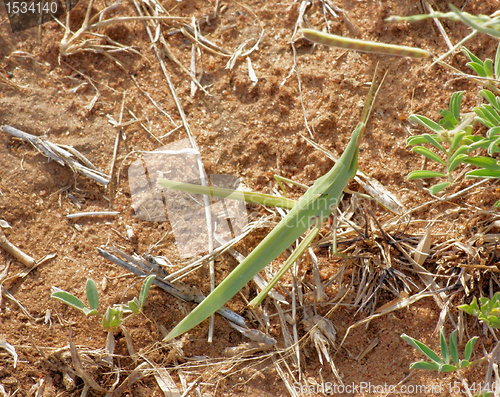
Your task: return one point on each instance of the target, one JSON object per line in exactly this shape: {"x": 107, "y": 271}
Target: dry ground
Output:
{"x": 249, "y": 130}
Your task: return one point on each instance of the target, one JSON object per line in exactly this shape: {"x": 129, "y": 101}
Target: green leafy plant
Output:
{"x": 485, "y": 24}
{"x": 489, "y": 312}
{"x": 113, "y": 316}
{"x": 452, "y": 135}
{"x": 449, "y": 353}
{"x": 488, "y": 68}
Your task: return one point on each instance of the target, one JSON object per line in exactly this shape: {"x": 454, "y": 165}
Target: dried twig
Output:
{"x": 61, "y": 154}
{"x": 95, "y": 213}
{"x": 25, "y": 259}
{"x": 182, "y": 291}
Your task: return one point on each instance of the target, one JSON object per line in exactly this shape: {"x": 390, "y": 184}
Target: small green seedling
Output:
{"x": 449, "y": 354}
{"x": 489, "y": 311}
{"x": 113, "y": 317}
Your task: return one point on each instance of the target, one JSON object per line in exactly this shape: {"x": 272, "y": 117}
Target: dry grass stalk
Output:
{"x": 71, "y": 44}
{"x": 203, "y": 179}
{"x": 140, "y": 267}
{"x": 19, "y": 255}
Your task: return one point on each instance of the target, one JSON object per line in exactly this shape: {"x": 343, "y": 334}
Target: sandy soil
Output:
{"x": 250, "y": 130}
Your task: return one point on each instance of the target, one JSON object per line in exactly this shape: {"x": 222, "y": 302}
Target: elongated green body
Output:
{"x": 248, "y": 197}
{"x": 363, "y": 45}
{"x": 315, "y": 205}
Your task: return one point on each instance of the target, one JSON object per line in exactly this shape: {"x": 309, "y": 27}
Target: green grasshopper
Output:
{"x": 312, "y": 209}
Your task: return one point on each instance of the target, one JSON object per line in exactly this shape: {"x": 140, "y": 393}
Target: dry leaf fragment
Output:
{"x": 246, "y": 349}
{"x": 251, "y": 72}
{"x": 423, "y": 248}
{"x": 4, "y": 224}
{"x": 166, "y": 383}
{"x": 10, "y": 349}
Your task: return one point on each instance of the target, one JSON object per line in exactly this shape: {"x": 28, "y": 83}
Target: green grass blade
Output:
{"x": 489, "y": 96}
{"x": 419, "y": 140}
{"x": 448, "y": 120}
{"x": 92, "y": 295}
{"x": 134, "y": 306}
{"x": 493, "y": 132}
{"x": 248, "y": 197}
{"x": 291, "y": 259}
{"x": 424, "y": 174}
{"x": 484, "y": 117}
{"x": 456, "y": 140}
{"x": 472, "y": 309}
{"x": 453, "y": 347}
{"x": 478, "y": 68}
{"x": 488, "y": 67}
{"x": 491, "y": 114}
{"x": 486, "y": 122}
{"x": 493, "y": 147}
{"x": 477, "y": 142}
{"x": 363, "y": 45}
{"x": 456, "y": 160}
{"x": 445, "y": 352}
